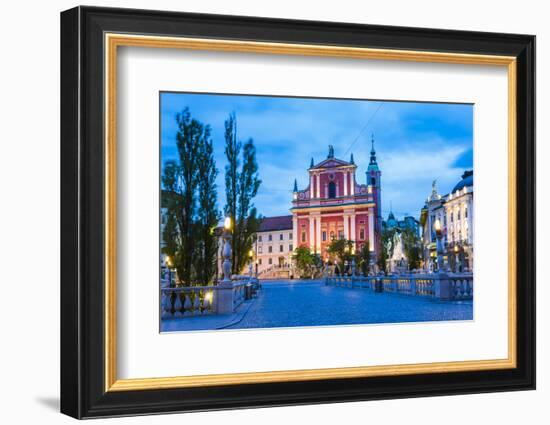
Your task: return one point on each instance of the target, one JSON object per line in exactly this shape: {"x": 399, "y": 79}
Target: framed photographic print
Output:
{"x": 261, "y": 212}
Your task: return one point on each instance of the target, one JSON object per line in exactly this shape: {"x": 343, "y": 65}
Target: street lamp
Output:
{"x": 250, "y": 258}
{"x": 227, "y": 224}
{"x": 227, "y": 251}
{"x": 168, "y": 262}
{"x": 439, "y": 247}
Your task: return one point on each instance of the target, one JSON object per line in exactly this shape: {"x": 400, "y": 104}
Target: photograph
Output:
{"x": 282, "y": 212}
{"x": 262, "y": 211}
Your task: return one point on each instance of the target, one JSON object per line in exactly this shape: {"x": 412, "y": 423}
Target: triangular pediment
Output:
{"x": 331, "y": 163}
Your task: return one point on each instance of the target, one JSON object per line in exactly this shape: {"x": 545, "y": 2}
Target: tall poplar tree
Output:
{"x": 208, "y": 215}
{"x": 248, "y": 222}
{"x": 182, "y": 180}
{"x": 232, "y": 151}
{"x": 241, "y": 186}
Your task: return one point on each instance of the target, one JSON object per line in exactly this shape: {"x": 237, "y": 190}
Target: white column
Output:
{"x": 311, "y": 233}
{"x": 311, "y": 193}
{"x": 353, "y": 235}
{"x": 345, "y": 183}
{"x": 295, "y": 241}
{"x": 346, "y": 226}
{"x": 318, "y": 186}
{"x": 352, "y": 184}
{"x": 318, "y": 235}
{"x": 372, "y": 245}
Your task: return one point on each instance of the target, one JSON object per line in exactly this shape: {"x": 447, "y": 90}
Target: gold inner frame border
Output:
{"x": 113, "y": 40}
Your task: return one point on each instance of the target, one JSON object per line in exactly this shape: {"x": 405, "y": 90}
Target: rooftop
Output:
{"x": 270, "y": 224}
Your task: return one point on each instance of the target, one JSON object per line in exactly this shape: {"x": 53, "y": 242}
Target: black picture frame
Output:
{"x": 83, "y": 392}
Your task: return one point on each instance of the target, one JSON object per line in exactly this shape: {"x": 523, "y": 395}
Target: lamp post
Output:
{"x": 227, "y": 251}
{"x": 439, "y": 247}
{"x": 224, "y": 302}
{"x": 250, "y": 262}
{"x": 169, "y": 265}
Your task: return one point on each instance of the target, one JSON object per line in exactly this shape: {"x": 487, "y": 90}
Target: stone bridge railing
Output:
{"x": 442, "y": 286}
{"x": 204, "y": 300}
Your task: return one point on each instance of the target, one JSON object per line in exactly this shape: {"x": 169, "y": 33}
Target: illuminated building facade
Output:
{"x": 335, "y": 206}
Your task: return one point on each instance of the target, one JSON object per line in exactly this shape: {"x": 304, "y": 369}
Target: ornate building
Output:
{"x": 454, "y": 211}
{"x": 334, "y": 205}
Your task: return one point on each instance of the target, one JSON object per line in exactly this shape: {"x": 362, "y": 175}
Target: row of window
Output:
{"x": 270, "y": 237}
{"x": 459, "y": 235}
{"x": 333, "y": 235}
{"x": 270, "y": 249}
{"x": 269, "y": 261}
{"x": 451, "y": 216}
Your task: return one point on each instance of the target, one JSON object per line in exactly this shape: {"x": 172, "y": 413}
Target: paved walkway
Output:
{"x": 311, "y": 303}
{"x": 206, "y": 323}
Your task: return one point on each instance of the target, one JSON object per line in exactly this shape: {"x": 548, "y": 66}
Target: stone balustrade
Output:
{"x": 204, "y": 300}
{"x": 442, "y": 286}
{"x": 187, "y": 301}
{"x": 462, "y": 287}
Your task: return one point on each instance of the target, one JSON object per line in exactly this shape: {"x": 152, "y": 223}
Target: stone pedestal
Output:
{"x": 442, "y": 286}
{"x": 224, "y": 299}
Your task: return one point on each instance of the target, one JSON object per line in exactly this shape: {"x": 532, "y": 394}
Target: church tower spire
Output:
{"x": 373, "y": 165}
{"x": 373, "y": 181}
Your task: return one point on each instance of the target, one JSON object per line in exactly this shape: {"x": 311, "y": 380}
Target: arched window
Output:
{"x": 373, "y": 181}
{"x": 332, "y": 190}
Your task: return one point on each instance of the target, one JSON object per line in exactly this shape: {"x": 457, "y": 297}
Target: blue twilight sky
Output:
{"x": 415, "y": 142}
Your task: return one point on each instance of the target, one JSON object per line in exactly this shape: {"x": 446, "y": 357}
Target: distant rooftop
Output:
{"x": 270, "y": 224}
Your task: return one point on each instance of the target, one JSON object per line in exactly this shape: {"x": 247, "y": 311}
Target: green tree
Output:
{"x": 181, "y": 180}
{"x": 412, "y": 247}
{"x": 248, "y": 221}
{"x": 241, "y": 186}
{"x": 207, "y": 215}
{"x": 341, "y": 251}
{"x": 232, "y": 151}
{"x": 363, "y": 259}
{"x": 305, "y": 261}
{"x": 172, "y": 201}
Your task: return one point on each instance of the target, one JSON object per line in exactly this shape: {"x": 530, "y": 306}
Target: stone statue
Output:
{"x": 330, "y": 151}
{"x": 398, "y": 260}
{"x": 434, "y": 195}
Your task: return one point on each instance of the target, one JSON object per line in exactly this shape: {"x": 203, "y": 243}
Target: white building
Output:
{"x": 274, "y": 247}
{"x": 272, "y": 250}
{"x": 455, "y": 212}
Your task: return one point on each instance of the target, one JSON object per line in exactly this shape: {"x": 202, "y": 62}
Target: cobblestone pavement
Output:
{"x": 311, "y": 303}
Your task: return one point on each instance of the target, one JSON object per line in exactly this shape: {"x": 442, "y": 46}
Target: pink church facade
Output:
{"x": 336, "y": 206}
